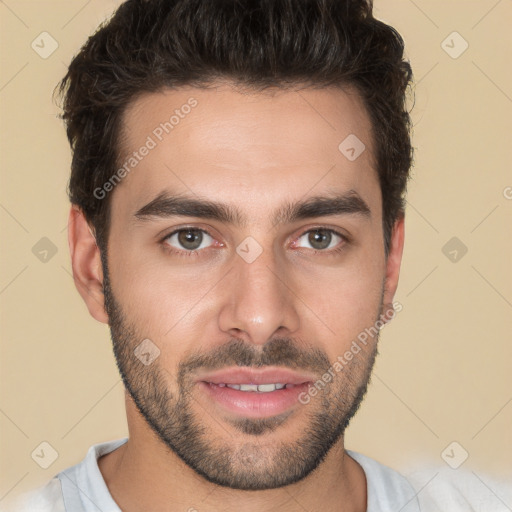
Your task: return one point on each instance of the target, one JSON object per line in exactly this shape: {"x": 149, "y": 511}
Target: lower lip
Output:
{"x": 253, "y": 404}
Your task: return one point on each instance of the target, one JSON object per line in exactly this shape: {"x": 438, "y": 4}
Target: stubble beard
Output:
{"x": 252, "y": 462}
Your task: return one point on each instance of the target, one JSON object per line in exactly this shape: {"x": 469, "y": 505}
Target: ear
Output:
{"x": 393, "y": 263}
{"x": 86, "y": 264}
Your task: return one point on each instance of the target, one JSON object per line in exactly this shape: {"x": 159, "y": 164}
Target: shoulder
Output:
{"x": 47, "y": 498}
{"x": 444, "y": 488}
{"x": 434, "y": 489}
{"x": 73, "y": 488}
{"x": 387, "y": 489}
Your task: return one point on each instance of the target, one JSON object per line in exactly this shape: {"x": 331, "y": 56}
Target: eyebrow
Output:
{"x": 166, "y": 205}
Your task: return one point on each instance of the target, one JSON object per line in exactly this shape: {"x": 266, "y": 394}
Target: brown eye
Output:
{"x": 321, "y": 239}
{"x": 189, "y": 239}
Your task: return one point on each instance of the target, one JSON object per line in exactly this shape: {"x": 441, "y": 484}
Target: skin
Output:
{"x": 254, "y": 152}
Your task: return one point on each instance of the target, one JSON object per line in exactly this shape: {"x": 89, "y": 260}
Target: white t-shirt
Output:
{"x": 81, "y": 488}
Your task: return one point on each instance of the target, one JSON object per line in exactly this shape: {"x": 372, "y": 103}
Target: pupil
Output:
{"x": 190, "y": 239}
{"x": 321, "y": 237}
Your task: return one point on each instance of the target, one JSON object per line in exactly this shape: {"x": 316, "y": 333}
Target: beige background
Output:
{"x": 444, "y": 373}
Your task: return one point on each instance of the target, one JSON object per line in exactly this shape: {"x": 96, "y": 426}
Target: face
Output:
{"x": 245, "y": 254}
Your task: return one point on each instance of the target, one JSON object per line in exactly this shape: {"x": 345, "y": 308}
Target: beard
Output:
{"x": 224, "y": 459}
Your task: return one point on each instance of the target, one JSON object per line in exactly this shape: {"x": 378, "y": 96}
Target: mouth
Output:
{"x": 252, "y": 393}
{"x": 258, "y": 388}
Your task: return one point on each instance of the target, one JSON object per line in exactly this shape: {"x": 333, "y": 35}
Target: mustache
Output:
{"x": 282, "y": 352}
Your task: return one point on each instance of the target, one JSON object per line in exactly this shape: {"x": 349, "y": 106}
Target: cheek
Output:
{"x": 165, "y": 307}
{"x": 344, "y": 301}
{"x": 158, "y": 298}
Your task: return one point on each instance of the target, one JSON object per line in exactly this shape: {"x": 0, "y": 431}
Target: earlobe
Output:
{"x": 86, "y": 264}
{"x": 394, "y": 260}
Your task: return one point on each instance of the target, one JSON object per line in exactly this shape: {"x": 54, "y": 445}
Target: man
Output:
{"x": 237, "y": 189}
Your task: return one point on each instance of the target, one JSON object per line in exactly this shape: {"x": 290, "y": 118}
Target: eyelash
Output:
{"x": 195, "y": 252}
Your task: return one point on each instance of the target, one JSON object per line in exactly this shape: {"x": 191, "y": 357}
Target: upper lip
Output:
{"x": 239, "y": 375}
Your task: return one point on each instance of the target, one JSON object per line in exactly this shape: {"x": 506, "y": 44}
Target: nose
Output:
{"x": 260, "y": 302}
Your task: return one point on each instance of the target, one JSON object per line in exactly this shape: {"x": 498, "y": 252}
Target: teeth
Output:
{"x": 262, "y": 388}
{"x": 265, "y": 388}
{"x": 248, "y": 387}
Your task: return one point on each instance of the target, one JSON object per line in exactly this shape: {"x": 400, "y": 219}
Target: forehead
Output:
{"x": 245, "y": 147}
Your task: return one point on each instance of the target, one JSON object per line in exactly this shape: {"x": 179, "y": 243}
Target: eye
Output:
{"x": 188, "y": 239}
{"x": 321, "y": 239}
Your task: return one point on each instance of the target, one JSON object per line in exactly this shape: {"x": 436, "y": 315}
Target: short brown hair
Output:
{"x": 149, "y": 45}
